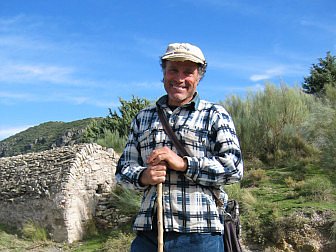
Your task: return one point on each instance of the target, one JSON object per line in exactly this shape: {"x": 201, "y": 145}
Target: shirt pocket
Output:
{"x": 150, "y": 139}
{"x": 195, "y": 141}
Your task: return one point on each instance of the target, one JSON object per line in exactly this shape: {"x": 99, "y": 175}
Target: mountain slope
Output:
{"x": 45, "y": 136}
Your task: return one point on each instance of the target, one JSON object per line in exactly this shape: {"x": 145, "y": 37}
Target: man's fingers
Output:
{"x": 158, "y": 155}
{"x": 156, "y": 158}
{"x": 153, "y": 156}
{"x": 153, "y": 175}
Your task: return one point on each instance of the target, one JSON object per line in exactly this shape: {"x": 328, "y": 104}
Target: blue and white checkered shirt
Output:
{"x": 208, "y": 134}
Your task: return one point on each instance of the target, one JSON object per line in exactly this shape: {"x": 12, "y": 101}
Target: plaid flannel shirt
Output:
{"x": 207, "y": 132}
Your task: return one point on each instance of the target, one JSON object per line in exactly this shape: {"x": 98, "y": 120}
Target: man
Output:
{"x": 191, "y": 183}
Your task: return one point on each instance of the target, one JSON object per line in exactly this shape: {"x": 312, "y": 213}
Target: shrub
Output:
{"x": 293, "y": 184}
{"x": 254, "y": 178}
{"x": 320, "y": 131}
{"x": 268, "y": 123}
{"x": 113, "y": 130}
{"x": 317, "y": 189}
{"x": 118, "y": 241}
{"x": 258, "y": 219}
{"x": 112, "y": 140}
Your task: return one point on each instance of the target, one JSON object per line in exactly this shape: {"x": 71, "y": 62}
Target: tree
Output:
{"x": 112, "y": 131}
{"x": 128, "y": 111}
{"x": 322, "y": 75}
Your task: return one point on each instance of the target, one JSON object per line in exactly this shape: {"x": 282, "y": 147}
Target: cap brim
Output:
{"x": 183, "y": 57}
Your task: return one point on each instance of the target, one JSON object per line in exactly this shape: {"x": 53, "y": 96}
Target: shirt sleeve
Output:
{"x": 223, "y": 164}
{"x": 130, "y": 165}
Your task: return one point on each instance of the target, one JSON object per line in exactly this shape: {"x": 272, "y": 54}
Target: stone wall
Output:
{"x": 57, "y": 189}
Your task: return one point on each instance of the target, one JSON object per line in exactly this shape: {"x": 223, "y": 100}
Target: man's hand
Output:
{"x": 165, "y": 154}
{"x": 158, "y": 162}
{"x": 154, "y": 174}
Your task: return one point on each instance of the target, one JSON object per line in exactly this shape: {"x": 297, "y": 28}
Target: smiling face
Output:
{"x": 180, "y": 81}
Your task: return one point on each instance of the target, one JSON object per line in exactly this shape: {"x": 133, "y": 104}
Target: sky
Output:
{"x": 66, "y": 60}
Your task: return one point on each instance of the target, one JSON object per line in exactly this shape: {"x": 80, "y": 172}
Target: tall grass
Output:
{"x": 33, "y": 231}
{"x": 127, "y": 201}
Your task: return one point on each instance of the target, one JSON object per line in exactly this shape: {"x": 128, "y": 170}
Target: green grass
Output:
{"x": 112, "y": 241}
{"x": 11, "y": 241}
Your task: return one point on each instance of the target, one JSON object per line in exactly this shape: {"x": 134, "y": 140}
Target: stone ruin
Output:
{"x": 58, "y": 189}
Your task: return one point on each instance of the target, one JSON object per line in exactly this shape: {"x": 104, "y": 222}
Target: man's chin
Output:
{"x": 178, "y": 100}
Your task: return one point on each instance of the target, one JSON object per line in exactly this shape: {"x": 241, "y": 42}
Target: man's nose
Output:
{"x": 180, "y": 77}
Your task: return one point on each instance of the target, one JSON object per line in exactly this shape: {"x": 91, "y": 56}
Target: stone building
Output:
{"x": 57, "y": 189}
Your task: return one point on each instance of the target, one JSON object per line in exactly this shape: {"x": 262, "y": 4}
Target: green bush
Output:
{"x": 118, "y": 241}
{"x": 317, "y": 189}
{"x": 319, "y": 130}
{"x": 113, "y": 130}
{"x": 127, "y": 111}
{"x": 253, "y": 178}
{"x": 268, "y": 123}
{"x": 112, "y": 140}
{"x": 293, "y": 184}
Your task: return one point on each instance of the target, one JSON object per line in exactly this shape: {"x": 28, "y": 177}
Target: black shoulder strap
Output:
{"x": 169, "y": 131}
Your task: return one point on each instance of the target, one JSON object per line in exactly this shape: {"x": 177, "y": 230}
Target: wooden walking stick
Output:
{"x": 159, "y": 217}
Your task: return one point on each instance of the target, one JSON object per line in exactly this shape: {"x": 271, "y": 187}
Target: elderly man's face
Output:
{"x": 180, "y": 81}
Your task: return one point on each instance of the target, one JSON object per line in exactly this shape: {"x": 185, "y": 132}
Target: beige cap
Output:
{"x": 184, "y": 52}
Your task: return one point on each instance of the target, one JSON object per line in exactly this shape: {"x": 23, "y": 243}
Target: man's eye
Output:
{"x": 172, "y": 70}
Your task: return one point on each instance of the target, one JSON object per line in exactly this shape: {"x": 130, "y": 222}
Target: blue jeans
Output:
{"x": 146, "y": 241}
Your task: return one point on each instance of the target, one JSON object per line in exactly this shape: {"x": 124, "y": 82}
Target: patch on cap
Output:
{"x": 184, "y": 52}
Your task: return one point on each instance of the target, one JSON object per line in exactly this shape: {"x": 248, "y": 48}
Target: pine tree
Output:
{"x": 322, "y": 75}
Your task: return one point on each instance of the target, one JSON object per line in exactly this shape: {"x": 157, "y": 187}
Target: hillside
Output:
{"x": 45, "y": 136}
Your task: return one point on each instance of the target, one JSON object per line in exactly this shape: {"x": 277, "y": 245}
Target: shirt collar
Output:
{"x": 193, "y": 104}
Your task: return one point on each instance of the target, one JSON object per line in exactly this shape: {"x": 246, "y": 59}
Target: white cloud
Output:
{"x": 259, "y": 77}
{"x": 268, "y": 74}
{"x": 33, "y": 73}
{"x": 10, "y": 131}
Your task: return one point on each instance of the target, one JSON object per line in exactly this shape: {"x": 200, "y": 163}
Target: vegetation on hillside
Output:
{"x": 45, "y": 136}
